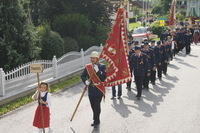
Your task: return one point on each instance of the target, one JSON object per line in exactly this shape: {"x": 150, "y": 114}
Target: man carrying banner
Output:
{"x": 93, "y": 76}
{"x": 96, "y": 76}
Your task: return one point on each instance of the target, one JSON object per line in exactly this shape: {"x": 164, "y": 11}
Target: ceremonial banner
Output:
{"x": 172, "y": 18}
{"x": 115, "y": 52}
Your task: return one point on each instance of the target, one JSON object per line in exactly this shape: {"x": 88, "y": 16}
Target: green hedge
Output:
{"x": 157, "y": 29}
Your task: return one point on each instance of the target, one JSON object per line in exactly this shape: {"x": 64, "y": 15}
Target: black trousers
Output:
{"x": 187, "y": 48}
{"x": 95, "y": 103}
{"x": 164, "y": 66}
{"x": 159, "y": 69}
{"x": 119, "y": 91}
{"x": 173, "y": 53}
{"x": 128, "y": 84}
{"x": 146, "y": 81}
{"x": 139, "y": 83}
{"x": 153, "y": 76}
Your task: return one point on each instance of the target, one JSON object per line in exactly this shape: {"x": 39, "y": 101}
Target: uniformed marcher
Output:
{"x": 92, "y": 76}
{"x": 131, "y": 52}
{"x": 139, "y": 67}
{"x": 166, "y": 55}
{"x": 164, "y": 36}
{"x": 188, "y": 41}
{"x": 179, "y": 38}
{"x": 161, "y": 60}
{"x": 151, "y": 64}
{"x": 156, "y": 58}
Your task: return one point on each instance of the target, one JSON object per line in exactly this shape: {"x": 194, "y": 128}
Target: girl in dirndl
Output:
{"x": 42, "y": 113}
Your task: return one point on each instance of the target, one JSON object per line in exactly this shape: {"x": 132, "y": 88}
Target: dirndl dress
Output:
{"x": 42, "y": 115}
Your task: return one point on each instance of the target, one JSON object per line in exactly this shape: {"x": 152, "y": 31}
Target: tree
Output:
{"x": 18, "y": 38}
{"x": 86, "y": 41}
{"x": 71, "y": 25}
{"x": 101, "y": 34}
{"x": 73, "y": 18}
{"x": 162, "y": 7}
{"x": 70, "y": 44}
{"x": 38, "y": 12}
{"x": 51, "y": 43}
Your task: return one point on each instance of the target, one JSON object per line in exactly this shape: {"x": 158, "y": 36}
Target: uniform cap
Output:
{"x": 137, "y": 48}
{"x": 146, "y": 43}
{"x": 158, "y": 43}
{"x": 129, "y": 43}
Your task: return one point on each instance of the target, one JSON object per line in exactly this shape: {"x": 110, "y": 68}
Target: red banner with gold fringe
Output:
{"x": 115, "y": 52}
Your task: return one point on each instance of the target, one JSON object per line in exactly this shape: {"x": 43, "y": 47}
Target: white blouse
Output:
{"x": 48, "y": 97}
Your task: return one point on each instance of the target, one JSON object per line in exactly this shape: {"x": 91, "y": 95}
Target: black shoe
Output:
{"x": 112, "y": 98}
{"x": 128, "y": 88}
{"x": 146, "y": 87}
{"x": 96, "y": 126}
{"x": 138, "y": 98}
{"x": 93, "y": 124}
{"x": 119, "y": 97}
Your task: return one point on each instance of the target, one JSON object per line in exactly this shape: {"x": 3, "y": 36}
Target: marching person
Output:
{"x": 165, "y": 56}
{"x": 139, "y": 67}
{"x": 119, "y": 93}
{"x": 131, "y": 51}
{"x": 170, "y": 47}
{"x": 188, "y": 41}
{"x": 173, "y": 49}
{"x": 42, "y": 113}
{"x": 151, "y": 64}
{"x": 155, "y": 51}
{"x": 179, "y": 40}
{"x": 160, "y": 60}
{"x": 93, "y": 76}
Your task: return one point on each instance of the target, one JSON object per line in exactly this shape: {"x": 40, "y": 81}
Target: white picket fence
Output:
{"x": 20, "y": 79}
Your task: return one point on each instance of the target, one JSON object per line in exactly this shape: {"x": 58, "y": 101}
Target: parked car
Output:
{"x": 141, "y": 33}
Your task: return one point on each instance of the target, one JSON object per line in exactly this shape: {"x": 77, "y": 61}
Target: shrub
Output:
{"x": 101, "y": 33}
{"x": 70, "y": 44}
{"x": 86, "y": 41}
{"x": 157, "y": 29}
{"x": 71, "y": 25}
{"x": 51, "y": 44}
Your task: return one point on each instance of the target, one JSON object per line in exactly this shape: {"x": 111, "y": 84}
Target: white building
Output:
{"x": 189, "y": 7}
{"x": 193, "y": 8}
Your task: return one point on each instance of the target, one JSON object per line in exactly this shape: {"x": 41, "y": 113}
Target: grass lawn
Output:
{"x": 27, "y": 99}
{"x": 134, "y": 25}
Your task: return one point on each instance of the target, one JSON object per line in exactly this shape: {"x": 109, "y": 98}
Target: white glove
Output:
{"x": 96, "y": 68}
{"x": 87, "y": 82}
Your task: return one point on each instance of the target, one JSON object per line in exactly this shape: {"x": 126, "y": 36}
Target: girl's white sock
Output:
{"x": 40, "y": 130}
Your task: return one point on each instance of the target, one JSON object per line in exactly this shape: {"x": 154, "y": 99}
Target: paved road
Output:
{"x": 172, "y": 106}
